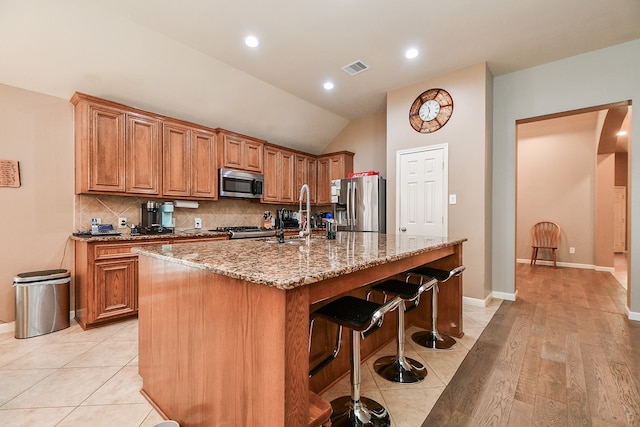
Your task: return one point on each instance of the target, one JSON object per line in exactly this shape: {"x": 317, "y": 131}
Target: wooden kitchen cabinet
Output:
{"x": 189, "y": 162}
{"x": 332, "y": 166}
{"x": 116, "y": 150}
{"x": 142, "y": 152}
{"x": 240, "y": 152}
{"x": 279, "y": 175}
{"x": 106, "y": 281}
{"x": 306, "y": 173}
{"x": 106, "y": 278}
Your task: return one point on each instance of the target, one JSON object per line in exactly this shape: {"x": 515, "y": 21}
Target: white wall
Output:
{"x": 556, "y": 182}
{"x": 596, "y": 78}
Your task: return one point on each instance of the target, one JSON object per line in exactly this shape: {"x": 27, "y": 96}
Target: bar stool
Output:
{"x": 363, "y": 318}
{"x": 398, "y": 368}
{"x": 433, "y": 339}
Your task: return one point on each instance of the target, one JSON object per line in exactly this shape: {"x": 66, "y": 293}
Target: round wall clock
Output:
{"x": 431, "y": 110}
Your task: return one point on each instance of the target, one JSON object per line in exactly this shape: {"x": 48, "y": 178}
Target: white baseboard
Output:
{"x": 476, "y": 302}
{"x": 568, "y": 264}
{"x": 504, "y": 295}
{"x": 633, "y": 315}
{"x": 7, "y": 327}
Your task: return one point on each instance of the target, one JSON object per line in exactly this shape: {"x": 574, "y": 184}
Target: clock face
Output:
{"x": 431, "y": 110}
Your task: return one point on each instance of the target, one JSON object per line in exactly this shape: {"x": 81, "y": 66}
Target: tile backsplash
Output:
{"x": 219, "y": 213}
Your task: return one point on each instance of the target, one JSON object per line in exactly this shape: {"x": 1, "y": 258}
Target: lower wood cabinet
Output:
{"x": 106, "y": 279}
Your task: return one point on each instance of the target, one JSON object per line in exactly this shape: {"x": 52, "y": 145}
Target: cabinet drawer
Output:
{"x": 119, "y": 250}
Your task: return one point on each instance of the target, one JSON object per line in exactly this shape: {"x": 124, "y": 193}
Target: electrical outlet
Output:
{"x": 572, "y": 250}
{"x": 198, "y": 223}
{"x": 122, "y": 222}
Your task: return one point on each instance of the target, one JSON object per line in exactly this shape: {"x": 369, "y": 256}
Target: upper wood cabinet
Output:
{"x": 123, "y": 150}
{"x": 189, "y": 162}
{"x": 306, "y": 173}
{"x": 116, "y": 151}
{"x": 332, "y": 166}
{"x": 278, "y": 175}
{"x": 204, "y": 171}
{"x": 142, "y": 150}
{"x": 240, "y": 152}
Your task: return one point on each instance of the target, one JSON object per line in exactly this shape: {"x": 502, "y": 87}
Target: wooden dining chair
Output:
{"x": 544, "y": 235}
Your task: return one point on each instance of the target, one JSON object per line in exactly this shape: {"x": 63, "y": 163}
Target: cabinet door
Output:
{"x": 287, "y": 178}
{"x": 324, "y": 182}
{"x": 252, "y": 152}
{"x": 115, "y": 288}
{"x": 305, "y": 173}
{"x": 106, "y": 149}
{"x": 142, "y": 155}
{"x": 176, "y": 171}
{"x": 271, "y": 172}
{"x": 204, "y": 182}
{"x": 313, "y": 179}
{"x": 232, "y": 151}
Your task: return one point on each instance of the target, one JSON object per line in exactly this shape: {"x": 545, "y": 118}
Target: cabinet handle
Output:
{"x": 403, "y": 228}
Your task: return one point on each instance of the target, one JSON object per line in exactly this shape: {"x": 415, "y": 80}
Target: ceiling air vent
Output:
{"x": 355, "y": 68}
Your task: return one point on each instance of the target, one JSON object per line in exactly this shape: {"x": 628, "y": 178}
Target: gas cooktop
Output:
{"x": 247, "y": 231}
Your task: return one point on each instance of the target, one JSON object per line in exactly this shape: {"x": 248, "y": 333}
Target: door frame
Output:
{"x": 445, "y": 186}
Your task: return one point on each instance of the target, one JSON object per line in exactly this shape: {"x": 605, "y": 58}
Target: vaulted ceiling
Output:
{"x": 186, "y": 58}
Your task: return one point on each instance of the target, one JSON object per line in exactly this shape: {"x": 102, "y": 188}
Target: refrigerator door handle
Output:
{"x": 354, "y": 204}
{"x": 349, "y": 204}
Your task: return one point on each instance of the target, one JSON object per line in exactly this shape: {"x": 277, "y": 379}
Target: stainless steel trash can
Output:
{"x": 42, "y": 302}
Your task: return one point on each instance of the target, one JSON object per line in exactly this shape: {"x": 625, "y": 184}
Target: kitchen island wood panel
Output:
{"x": 224, "y": 326}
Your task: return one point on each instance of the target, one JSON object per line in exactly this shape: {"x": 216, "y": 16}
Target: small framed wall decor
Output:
{"x": 9, "y": 173}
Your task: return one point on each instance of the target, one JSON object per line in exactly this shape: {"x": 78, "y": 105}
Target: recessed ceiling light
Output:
{"x": 327, "y": 85}
{"x": 411, "y": 53}
{"x": 621, "y": 133}
{"x": 252, "y": 41}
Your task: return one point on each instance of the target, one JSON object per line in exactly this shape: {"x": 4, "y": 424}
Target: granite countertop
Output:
{"x": 185, "y": 234}
{"x": 293, "y": 263}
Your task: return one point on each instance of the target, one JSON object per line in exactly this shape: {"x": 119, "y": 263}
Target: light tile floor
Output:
{"x": 90, "y": 378}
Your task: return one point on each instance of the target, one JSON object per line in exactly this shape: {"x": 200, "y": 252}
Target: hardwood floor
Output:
{"x": 563, "y": 354}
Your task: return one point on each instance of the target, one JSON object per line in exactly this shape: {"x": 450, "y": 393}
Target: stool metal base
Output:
{"x": 434, "y": 340}
{"x": 402, "y": 370}
{"x": 363, "y": 413}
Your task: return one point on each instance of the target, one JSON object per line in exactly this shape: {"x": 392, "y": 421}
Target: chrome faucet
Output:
{"x": 305, "y": 231}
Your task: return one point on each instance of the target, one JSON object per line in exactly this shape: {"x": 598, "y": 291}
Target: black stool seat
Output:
{"x": 436, "y": 273}
{"x": 405, "y": 290}
{"x": 433, "y": 339}
{"x": 350, "y": 312}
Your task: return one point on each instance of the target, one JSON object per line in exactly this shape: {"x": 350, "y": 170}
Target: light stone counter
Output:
{"x": 293, "y": 263}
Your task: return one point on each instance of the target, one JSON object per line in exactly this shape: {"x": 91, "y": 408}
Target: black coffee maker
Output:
{"x": 149, "y": 214}
{"x": 150, "y": 219}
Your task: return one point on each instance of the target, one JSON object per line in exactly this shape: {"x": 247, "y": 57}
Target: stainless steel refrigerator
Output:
{"x": 360, "y": 204}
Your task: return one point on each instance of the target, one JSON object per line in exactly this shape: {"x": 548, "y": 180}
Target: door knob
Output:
{"x": 403, "y": 228}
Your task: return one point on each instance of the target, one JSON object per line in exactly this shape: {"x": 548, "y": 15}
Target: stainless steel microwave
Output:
{"x": 235, "y": 183}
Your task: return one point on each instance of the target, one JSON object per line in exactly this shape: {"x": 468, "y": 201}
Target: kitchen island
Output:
{"x": 224, "y": 325}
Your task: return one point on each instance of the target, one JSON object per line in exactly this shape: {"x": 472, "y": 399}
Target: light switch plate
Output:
{"x": 198, "y": 223}
{"x": 452, "y": 199}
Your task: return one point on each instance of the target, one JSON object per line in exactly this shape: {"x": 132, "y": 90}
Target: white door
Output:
{"x": 619, "y": 219}
{"x": 421, "y": 203}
